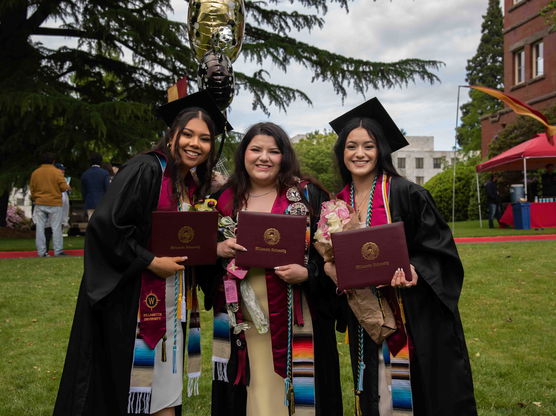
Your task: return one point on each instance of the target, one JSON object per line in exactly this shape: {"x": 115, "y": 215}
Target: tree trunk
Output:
{"x": 4, "y": 208}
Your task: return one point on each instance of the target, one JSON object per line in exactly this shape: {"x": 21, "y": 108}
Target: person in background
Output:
{"x": 94, "y": 183}
{"x": 548, "y": 180}
{"x": 107, "y": 166}
{"x": 65, "y": 197}
{"x": 47, "y": 185}
{"x": 493, "y": 200}
{"x": 65, "y": 211}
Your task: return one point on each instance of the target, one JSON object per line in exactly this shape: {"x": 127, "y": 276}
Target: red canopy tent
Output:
{"x": 535, "y": 153}
{"x": 532, "y": 154}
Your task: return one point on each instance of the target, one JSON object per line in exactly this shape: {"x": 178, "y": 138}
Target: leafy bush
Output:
{"x": 17, "y": 220}
{"x": 440, "y": 187}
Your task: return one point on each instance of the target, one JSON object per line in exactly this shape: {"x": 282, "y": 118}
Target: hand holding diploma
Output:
{"x": 227, "y": 248}
{"x": 292, "y": 273}
{"x": 165, "y": 267}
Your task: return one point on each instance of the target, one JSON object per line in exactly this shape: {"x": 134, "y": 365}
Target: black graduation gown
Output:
{"x": 441, "y": 379}
{"x": 320, "y": 291}
{"x": 96, "y": 375}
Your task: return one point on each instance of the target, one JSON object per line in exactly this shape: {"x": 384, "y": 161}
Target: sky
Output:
{"x": 383, "y": 31}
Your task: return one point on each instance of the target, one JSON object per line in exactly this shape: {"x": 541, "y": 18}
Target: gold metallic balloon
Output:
{"x": 216, "y": 25}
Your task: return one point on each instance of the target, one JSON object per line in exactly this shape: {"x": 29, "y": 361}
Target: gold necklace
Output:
{"x": 259, "y": 195}
{"x": 361, "y": 203}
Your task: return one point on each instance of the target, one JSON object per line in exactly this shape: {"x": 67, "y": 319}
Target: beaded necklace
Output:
{"x": 360, "y": 339}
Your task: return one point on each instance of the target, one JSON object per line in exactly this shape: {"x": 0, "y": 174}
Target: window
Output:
{"x": 401, "y": 163}
{"x": 437, "y": 162}
{"x": 538, "y": 61}
{"x": 419, "y": 180}
{"x": 519, "y": 66}
{"x": 419, "y": 163}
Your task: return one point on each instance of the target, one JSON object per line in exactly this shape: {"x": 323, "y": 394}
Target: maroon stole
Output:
{"x": 277, "y": 300}
{"x": 398, "y": 339}
{"x": 152, "y": 301}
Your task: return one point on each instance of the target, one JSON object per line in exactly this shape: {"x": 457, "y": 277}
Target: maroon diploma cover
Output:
{"x": 270, "y": 239}
{"x": 370, "y": 256}
{"x": 191, "y": 234}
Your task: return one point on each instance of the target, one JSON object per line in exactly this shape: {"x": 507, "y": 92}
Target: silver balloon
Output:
{"x": 216, "y": 25}
{"x": 216, "y": 75}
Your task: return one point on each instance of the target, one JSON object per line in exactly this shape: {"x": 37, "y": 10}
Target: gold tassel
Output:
{"x": 400, "y": 302}
{"x": 163, "y": 349}
{"x": 291, "y": 400}
{"x": 358, "y": 411}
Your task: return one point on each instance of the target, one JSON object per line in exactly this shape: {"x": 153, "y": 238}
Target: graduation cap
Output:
{"x": 373, "y": 110}
{"x": 202, "y": 99}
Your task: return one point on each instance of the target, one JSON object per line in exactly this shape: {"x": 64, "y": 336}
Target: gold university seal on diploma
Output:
{"x": 186, "y": 234}
{"x": 271, "y": 236}
{"x": 370, "y": 251}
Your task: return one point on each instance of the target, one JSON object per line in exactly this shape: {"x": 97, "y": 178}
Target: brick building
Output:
{"x": 529, "y": 64}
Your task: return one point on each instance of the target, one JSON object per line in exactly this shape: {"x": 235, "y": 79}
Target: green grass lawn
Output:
{"x": 28, "y": 244}
{"x": 473, "y": 229}
{"x": 507, "y": 308}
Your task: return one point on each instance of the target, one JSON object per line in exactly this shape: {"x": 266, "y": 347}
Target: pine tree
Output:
{"x": 77, "y": 98}
{"x": 486, "y": 69}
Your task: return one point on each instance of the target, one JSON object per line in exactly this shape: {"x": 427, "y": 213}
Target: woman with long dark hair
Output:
{"x": 126, "y": 348}
{"x": 422, "y": 368}
{"x": 282, "y": 348}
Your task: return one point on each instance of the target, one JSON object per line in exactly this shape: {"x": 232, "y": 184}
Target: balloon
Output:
{"x": 216, "y": 25}
{"x": 217, "y": 77}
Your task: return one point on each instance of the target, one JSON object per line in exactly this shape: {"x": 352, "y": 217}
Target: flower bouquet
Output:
{"x": 335, "y": 216}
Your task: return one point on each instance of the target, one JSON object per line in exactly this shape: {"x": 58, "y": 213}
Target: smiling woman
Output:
{"x": 283, "y": 356}
{"x": 126, "y": 348}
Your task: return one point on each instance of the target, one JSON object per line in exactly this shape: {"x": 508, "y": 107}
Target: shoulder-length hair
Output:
{"x": 288, "y": 175}
{"x": 203, "y": 172}
{"x": 374, "y": 129}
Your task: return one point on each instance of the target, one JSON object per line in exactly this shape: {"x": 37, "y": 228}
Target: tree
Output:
{"x": 522, "y": 129}
{"x": 549, "y": 12}
{"x": 317, "y": 159}
{"x": 97, "y": 91}
{"x": 485, "y": 69}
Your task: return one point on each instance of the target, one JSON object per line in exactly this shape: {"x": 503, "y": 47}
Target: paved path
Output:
{"x": 460, "y": 240}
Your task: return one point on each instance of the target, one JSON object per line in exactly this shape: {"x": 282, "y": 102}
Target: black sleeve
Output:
{"x": 117, "y": 235}
{"x": 319, "y": 286}
{"x": 432, "y": 249}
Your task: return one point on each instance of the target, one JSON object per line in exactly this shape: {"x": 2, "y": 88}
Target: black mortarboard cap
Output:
{"x": 201, "y": 99}
{"x": 374, "y": 110}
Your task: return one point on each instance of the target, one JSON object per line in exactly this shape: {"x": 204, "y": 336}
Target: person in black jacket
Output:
{"x": 493, "y": 200}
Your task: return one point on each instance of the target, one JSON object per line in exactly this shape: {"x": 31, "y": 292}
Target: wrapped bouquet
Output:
{"x": 335, "y": 216}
